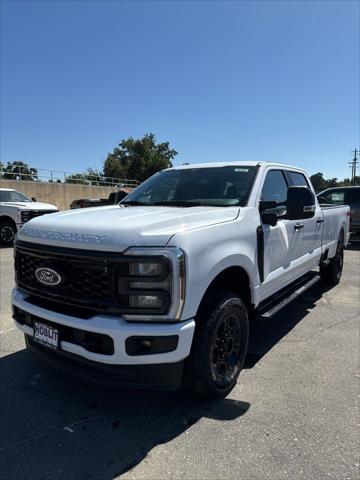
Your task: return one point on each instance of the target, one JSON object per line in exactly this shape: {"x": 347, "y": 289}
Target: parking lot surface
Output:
{"x": 293, "y": 414}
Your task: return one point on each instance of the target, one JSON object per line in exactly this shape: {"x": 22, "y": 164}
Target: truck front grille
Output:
{"x": 87, "y": 278}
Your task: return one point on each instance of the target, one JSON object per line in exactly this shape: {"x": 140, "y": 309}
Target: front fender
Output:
{"x": 209, "y": 251}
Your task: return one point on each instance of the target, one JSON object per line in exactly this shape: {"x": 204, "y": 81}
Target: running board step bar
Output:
{"x": 273, "y": 307}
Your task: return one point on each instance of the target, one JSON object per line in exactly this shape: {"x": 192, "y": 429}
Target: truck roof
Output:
{"x": 7, "y": 190}
{"x": 242, "y": 163}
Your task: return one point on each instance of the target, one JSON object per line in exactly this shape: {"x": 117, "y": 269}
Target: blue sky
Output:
{"x": 221, "y": 81}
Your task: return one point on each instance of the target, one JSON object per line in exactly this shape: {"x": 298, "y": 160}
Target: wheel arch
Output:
{"x": 6, "y": 217}
{"x": 234, "y": 279}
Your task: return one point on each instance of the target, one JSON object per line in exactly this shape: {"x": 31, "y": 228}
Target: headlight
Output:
{"x": 152, "y": 287}
{"x": 145, "y": 269}
{"x": 25, "y": 215}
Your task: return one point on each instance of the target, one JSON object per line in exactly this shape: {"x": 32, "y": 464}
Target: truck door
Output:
{"x": 282, "y": 242}
{"x": 312, "y": 228}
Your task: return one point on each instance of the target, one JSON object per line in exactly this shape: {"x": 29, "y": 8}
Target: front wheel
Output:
{"x": 219, "y": 346}
{"x": 7, "y": 232}
{"x": 331, "y": 273}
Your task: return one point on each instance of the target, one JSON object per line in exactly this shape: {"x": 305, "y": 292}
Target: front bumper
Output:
{"x": 116, "y": 328}
{"x": 164, "y": 376}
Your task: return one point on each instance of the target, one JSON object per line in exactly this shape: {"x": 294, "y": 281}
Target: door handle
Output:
{"x": 298, "y": 226}
{"x": 319, "y": 220}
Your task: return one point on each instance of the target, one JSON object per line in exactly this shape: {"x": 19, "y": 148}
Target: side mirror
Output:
{"x": 271, "y": 211}
{"x": 33, "y": 199}
{"x": 322, "y": 200}
{"x": 265, "y": 205}
{"x": 269, "y": 218}
{"x": 300, "y": 203}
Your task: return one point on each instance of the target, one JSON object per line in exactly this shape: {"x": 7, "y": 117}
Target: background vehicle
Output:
{"x": 159, "y": 290}
{"x": 345, "y": 196}
{"x": 15, "y": 210}
{"x": 114, "y": 197}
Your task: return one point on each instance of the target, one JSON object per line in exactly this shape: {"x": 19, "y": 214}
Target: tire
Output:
{"x": 7, "y": 232}
{"x": 219, "y": 347}
{"x": 331, "y": 273}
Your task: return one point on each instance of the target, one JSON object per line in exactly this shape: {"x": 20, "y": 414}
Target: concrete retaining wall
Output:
{"x": 59, "y": 194}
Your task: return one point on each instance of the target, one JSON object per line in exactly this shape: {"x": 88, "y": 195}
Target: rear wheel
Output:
{"x": 7, "y": 232}
{"x": 219, "y": 347}
{"x": 331, "y": 273}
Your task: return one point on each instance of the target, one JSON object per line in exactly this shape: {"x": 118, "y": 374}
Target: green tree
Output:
{"x": 95, "y": 177}
{"x": 318, "y": 181}
{"x": 77, "y": 178}
{"x": 20, "y": 171}
{"x": 332, "y": 182}
{"x": 138, "y": 159}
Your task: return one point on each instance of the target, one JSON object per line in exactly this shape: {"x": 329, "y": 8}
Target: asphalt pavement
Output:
{"x": 293, "y": 414}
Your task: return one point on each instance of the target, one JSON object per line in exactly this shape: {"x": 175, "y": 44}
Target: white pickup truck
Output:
{"x": 158, "y": 291}
{"x": 16, "y": 209}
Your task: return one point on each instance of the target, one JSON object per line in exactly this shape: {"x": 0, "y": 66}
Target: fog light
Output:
{"x": 150, "y": 345}
{"x": 143, "y": 301}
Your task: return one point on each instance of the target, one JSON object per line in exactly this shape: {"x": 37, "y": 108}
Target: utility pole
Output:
{"x": 353, "y": 165}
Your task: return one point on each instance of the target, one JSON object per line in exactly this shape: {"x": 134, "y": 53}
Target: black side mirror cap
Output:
{"x": 300, "y": 203}
{"x": 269, "y": 218}
{"x": 265, "y": 205}
{"x": 33, "y": 199}
{"x": 321, "y": 199}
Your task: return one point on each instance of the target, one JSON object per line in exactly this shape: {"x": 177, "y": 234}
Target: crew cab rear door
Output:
{"x": 311, "y": 228}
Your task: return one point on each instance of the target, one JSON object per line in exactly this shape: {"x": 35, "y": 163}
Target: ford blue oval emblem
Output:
{"x": 47, "y": 276}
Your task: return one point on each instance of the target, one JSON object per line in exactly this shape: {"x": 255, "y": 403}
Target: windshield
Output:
{"x": 13, "y": 196}
{"x": 215, "y": 186}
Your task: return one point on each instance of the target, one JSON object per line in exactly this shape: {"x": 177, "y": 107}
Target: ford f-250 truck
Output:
{"x": 158, "y": 291}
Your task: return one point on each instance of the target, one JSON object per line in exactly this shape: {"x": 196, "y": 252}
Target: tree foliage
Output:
{"x": 19, "y": 171}
{"x": 91, "y": 176}
{"x": 77, "y": 178}
{"x": 320, "y": 183}
{"x": 138, "y": 159}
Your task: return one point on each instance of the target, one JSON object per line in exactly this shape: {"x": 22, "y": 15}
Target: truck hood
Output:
{"x": 29, "y": 205}
{"x": 115, "y": 228}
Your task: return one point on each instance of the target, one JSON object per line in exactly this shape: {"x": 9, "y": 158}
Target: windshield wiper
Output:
{"x": 135, "y": 203}
{"x": 179, "y": 203}
{"x": 172, "y": 203}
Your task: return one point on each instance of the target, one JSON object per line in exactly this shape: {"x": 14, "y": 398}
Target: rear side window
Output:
{"x": 335, "y": 198}
{"x": 297, "y": 179}
{"x": 355, "y": 196}
{"x": 275, "y": 187}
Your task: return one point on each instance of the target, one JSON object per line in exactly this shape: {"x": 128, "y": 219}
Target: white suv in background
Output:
{"x": 16, "y": 209}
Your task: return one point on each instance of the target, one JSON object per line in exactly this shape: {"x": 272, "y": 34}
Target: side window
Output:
{"x": 275, "y": 187}
{"x": 297, "y": 179}
{"x": 355, "y": 196}
{"x": 336, "y": 198}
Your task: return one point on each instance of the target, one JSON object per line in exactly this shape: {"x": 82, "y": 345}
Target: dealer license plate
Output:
{"x": 46, "y": 335}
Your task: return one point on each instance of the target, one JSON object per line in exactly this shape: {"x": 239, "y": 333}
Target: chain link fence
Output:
{"x": 19, "y": 172}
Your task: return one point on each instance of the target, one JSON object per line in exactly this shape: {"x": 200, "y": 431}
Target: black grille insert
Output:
{"x": 88, "y": 278}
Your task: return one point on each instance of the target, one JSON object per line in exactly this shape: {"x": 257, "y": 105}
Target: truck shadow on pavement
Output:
{"x": 266, "y": 333}
{"x": 55, "y": 426}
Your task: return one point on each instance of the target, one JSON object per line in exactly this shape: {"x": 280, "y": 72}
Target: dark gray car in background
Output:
{"x": 345, "y": 196}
